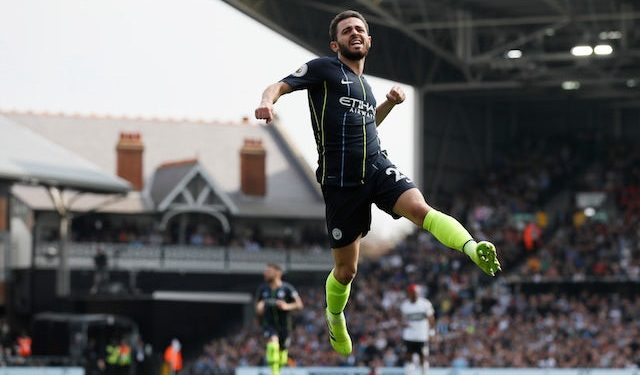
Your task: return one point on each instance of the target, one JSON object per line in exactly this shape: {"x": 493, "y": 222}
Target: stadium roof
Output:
{"x": 291, "y": 188}
{"x": 463, "y": 45}
{"x": 27, "y": 157}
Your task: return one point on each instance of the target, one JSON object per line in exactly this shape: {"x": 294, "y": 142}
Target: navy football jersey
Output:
{"x": 274, "y": 317}
{"x": 343, "y": 115}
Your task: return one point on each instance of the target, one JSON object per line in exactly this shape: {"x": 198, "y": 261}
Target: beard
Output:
{"x": 353, "y": 55}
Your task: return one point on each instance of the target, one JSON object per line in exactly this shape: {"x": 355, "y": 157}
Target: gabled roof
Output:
{"x": 216, "y": 146}
{"x": 172, "y": 181}
{"x": 167, "y": 176}
{"x": 26, "y": 156}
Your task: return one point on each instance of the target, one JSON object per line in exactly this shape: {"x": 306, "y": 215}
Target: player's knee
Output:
{"x": 417, "y": 212}
{"x": 346, "y": 273}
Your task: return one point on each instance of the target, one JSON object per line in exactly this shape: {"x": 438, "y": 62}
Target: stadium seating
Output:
{"x": 483, "y": 322}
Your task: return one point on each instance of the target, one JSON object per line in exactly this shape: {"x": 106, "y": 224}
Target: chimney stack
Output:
{"x": 129, "y": 158}
{"x": 253, "y": 168}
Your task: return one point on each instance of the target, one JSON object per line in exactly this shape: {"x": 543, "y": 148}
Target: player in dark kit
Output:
{"x": 274, "y": 299}
{"x": 353, "y": 170}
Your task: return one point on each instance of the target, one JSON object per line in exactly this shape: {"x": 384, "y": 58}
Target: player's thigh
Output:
{"x": 411, "y": 204}
{"x": 348, "y": 214}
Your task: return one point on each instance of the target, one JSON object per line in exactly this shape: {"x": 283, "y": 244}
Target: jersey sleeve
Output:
{"x": 292, "y": 293}
{"x": 307, "y": 75}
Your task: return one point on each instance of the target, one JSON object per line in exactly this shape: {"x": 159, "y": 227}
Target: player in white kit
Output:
{"x": 419, "y": 322}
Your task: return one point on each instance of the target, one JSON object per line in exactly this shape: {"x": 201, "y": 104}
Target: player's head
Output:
{"x": 412, "y": 291}
{"x": 272, "y": 272}
{"x": 349, "y": 34}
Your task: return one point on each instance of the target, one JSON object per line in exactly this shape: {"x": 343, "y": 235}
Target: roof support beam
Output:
{"x": 520, "y": 21}
{"x": 519, "y": 42}
{"x": 63, "y": 275}
{"x": 421, "y": 40}
{"x": 337, "y": 9}
{"x": 555, "y": 5}
{"x": 498, "y": 85}
{"x": 255, "y": 14}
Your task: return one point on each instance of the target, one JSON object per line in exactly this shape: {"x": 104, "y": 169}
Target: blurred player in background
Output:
{"x": 418, "y": 321}
{"x": 353, "y": 170}
{"x": 274, "y": 300}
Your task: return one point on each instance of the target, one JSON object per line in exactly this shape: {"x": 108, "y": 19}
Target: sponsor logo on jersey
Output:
{"x": 358, "y": 106}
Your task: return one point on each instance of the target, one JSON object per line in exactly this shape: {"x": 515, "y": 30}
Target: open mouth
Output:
{"x": 356, "y": 42}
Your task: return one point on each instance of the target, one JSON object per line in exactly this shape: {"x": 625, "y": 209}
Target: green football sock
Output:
{"x": 273, "y": 354}
{"x": 446, "y": 229}
{"x": 337, "y": 294}
{"x": 284, "y": 357}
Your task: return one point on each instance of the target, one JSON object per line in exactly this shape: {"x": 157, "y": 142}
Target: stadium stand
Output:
{"x": 505, "y": 323}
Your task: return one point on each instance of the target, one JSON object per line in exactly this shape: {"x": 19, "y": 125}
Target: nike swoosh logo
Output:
{"x": 346, "y": 82}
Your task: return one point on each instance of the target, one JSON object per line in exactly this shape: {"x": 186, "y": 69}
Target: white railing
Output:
{"x": 182, "y": 257}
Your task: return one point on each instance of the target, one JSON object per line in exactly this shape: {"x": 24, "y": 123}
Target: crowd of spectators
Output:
{"x": 494, "y": 326}
{"x": 482, "y": 324}
{"x": 596, "y": 242}
{"x": 139, "y": 232}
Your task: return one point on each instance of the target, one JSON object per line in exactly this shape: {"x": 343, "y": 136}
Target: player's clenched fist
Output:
{"x": 265, "y": 112}
{"x": 396, "y": 95}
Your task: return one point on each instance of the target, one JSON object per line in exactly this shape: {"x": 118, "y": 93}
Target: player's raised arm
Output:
{"x": 269, "y": 97}
{"x": 395, "y": 96}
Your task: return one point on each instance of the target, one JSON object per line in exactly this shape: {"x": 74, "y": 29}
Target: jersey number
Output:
{"x": 397, "y": 173}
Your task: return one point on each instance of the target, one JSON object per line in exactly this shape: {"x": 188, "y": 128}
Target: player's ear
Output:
{"x": 370, "y": 44}
{"x": 334, "y": 46}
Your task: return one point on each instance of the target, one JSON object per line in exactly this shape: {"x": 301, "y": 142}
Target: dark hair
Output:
{"x": 333, "y": 26}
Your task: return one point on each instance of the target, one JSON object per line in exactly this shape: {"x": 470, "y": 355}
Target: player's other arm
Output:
{"x": 260, "y": 308}
{"x": 269, "y": 97}
{"x": 431, "y": 316}
{"x": 296, "y": 304}
{"x": 259, "y": 304}
{"x": 395, "y": 96}
{"x": 294, "y": 297}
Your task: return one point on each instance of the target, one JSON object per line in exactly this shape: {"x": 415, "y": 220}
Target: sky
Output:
{"x": 199, "y": 59}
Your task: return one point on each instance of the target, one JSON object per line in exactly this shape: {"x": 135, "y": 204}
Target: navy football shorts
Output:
{"x": 348, "y": 209}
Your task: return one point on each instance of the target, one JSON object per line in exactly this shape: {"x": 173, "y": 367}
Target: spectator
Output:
{"x": 101, "y": 274}
{"x": 173, "y": 357}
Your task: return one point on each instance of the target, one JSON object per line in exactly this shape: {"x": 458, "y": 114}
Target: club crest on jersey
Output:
{"x": 336, "y": 233}
{"x": 281, "y": 294}
{"x": 358, "y": 106}
{"x": 301, "y": 71}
